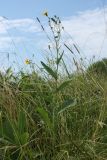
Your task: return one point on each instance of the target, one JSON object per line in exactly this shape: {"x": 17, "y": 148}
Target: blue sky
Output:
{"x": 31, "y": 8}
{"x": 21, "y": 35}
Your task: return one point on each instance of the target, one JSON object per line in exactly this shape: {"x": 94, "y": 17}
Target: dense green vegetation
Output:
{"x": 99, "y": 67}
{"x": 52, "y": 116}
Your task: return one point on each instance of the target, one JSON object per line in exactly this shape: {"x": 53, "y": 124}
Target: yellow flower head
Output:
{"x": 27, "y": 61}
{"x": 45, "y": 13}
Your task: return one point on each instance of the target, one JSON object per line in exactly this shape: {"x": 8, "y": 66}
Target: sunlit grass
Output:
{"x": 53, "y": 116}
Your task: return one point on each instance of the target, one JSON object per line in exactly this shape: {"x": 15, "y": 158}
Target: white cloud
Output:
{"x": 25, "y": 25}
{"x": 11, "y": 43}
{"x": 89, "y": 30}
{"x": 17, "y": 32}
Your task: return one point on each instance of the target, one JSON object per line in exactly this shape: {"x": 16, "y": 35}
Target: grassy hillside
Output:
{"x": 51, "y": 116}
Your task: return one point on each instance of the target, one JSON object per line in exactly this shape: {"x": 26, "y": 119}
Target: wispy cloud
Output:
{"x": 17, "y": 34}
{"x": 88, "y": 29}
{"x": 25, "y": 25}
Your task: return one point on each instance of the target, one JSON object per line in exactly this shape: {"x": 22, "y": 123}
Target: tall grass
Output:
{"x": 55, "y": 116}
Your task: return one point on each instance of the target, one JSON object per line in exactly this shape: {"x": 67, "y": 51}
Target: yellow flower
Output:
{"x": 27, "y": 61}
{"x": 45, "y": 13}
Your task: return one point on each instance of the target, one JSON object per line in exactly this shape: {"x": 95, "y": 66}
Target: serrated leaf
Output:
{"x": 49, "y": 70}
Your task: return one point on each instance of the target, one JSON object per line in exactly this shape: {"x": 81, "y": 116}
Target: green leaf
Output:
{"x": 59, "y": 59}
{"x": 22, "y": 122}
{"x": 66, "y": 105}
{"x": 63, "y": 85}
{"x": 24, "y": 138}
{"x": 8, "y": 131}
{"x": 9, "y": 71}
{"x": 49, "y": 70}
{"x": 45, "y": 117}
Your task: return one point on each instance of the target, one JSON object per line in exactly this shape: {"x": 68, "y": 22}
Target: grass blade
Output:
{"x": 63, "y": 85}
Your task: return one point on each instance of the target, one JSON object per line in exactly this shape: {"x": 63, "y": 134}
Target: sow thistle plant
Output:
{"x": 56, "y": 29}
{"x": 55, "y": 120}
